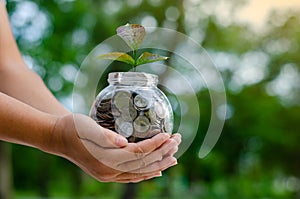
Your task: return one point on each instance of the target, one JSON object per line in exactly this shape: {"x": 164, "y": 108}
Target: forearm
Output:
{"x": 16, "y": 80}
{"x": 26, "y": 86}
{"x": 8, "y": 48}
{"x": 22, "y": 124}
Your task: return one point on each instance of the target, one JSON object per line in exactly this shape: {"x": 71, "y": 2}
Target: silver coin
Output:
{"x": 167, "y": 126}
{"x": 122, "y": 99}
{"x": 141, "y": 102}
{"x": 154, "y": 131}
{"x": 126, "y": 129}
{"x": 151, "y": 115}
{"x": 118, "y": 122}
{"x": 159, "y": 110}
{"x": 141, "y": 126}
{"x": 115, "y": 112}
{"x": 129, "y": 114}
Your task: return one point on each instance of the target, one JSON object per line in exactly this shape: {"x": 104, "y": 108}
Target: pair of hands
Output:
{"x": 101, "y": 153}
{"x": 107, "y": 156}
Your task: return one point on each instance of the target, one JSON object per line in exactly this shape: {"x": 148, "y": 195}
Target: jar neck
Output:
{"x": 132, "y": 79}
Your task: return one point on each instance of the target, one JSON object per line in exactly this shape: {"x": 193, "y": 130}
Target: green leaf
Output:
{"x": 132, "y": 34}
{"x": 118, "y": 56}
{"x": 149, "y": 57}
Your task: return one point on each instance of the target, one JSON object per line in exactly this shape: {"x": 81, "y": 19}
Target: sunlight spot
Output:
{"x": 225, "y": 61}
{"x": 31, "y": 63}
{"x": 65, "y": 5}
{"x": 113, "y": 6}
{"x": 149, "y": 21}
{"x": 257, "y": 11}
{"x": 251, "y": 70}
{"x": 68, "y": 72}
{"x": 29, "y": 23}
{"x": 197, "y": 34}
{"x": 278, "y": 46}
{"x": 286, "y": 85}
{"x": 67, "y": 102}
{"x": 223, "y": 12}
{"x": 82, "y": 80}
{"x": 134, "y": 3}
{"x": 293, "y": 184}
{"x": 282, "y": 184}
{"x": 80, "y": 37}
{"x": 155, "y": 3}
{"x": 172, "y": 13}
{"x": 55, "y": 83}
{"x": 225, "y": 109}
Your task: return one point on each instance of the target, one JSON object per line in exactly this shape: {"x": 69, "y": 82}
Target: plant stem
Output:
{"x": 134, "y": 57}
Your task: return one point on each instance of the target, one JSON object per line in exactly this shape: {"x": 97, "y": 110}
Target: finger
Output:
{"x": 136, "y": 157}
{"x": 89, "y": 130}
{"x": 169, "y": 146}
{"x": 138, "y": 179}
{"x": 176, "y": 137}
{"x": 119, "y": 159}
{"x": 157, "y": 155}
{"x": 171, "y": 152}
{"x": 136, "y": 151}
{"x": 127, "y": 175}
{"x": 149, "y": 145}
{"x": 157, "y": 166}
{"x": 114, "y": 138}
{"x": 130, "y": 157}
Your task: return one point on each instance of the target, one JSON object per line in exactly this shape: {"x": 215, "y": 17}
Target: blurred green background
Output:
{"x": 258, "y": 154}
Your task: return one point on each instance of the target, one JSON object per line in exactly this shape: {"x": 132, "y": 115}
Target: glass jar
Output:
{"x": 133, "y": 106}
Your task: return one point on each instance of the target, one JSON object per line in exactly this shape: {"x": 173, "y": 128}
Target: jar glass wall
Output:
{"x": 133, "y": 106}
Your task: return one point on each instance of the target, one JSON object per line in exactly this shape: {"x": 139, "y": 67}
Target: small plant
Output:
{"x": 133, "y": 35}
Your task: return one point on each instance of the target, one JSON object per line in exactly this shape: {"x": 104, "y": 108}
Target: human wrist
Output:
{"x": 47, "y": 140}
{"x": 51, "y": 140}
{"x": 60, "y": 135}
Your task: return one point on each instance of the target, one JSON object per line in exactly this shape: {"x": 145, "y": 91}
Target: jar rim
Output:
{"x": 131, "y": 78}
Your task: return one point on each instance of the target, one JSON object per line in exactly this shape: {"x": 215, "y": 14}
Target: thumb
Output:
{"x": 114, "y": 138}
{"x": 89, "y": 130}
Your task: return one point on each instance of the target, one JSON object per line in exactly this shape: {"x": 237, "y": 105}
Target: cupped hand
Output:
{"x": 107, "y": 156}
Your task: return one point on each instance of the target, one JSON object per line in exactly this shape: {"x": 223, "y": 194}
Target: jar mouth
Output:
{"x": 133, "y": 78}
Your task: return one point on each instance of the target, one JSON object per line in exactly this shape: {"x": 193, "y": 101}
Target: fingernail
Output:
{"x": 167, "y": 135}
{"x": 121, "y": 141}
{"x": 159, "y": 174}
{"x": 174, "y": 163}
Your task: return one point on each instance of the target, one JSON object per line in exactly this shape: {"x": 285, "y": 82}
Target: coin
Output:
{"x": 105, "y": 101}
{"x": 167, "y": 126}
{"x": 129, "y": 114}
{"x": 126, "y": 129}
{"x": 136, "y": 114}
{"x": 140, "y": 102}
{"x": 104, "y": 105}
{"x": 122, "y": 99}
{"x": 118, "y": 122}
{"x": 132, "y": 139}
{"x": 159, "y": 110}
{"x": 150, "y": 113}
{"x": 104, "y": 115}
{"x": 141, "y": 126}
{"x": 115, "y": 112}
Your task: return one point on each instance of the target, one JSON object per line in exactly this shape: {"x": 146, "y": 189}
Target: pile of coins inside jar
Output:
{"x": 136, "y": 115}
